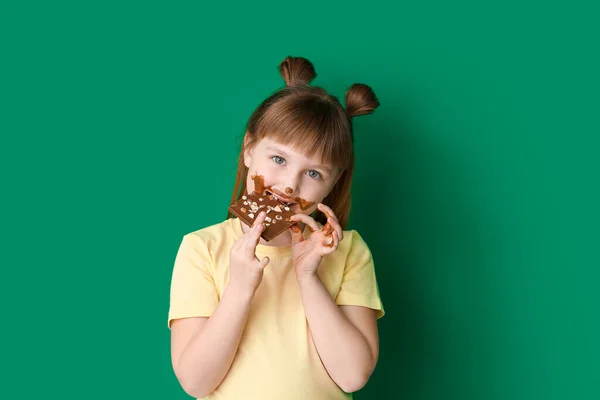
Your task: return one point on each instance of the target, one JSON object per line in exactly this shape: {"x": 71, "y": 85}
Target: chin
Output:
{"x": 310, "y": 211}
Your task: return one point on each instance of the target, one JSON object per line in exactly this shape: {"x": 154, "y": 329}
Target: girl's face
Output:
{"x": 291, "y": 176}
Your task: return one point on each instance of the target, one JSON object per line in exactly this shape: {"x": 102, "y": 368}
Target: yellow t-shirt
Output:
{"x": 276, "y": 358}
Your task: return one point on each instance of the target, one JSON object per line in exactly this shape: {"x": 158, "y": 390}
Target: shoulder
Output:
{"x": 354, "y": 241}
{"x": 355, "y": 237}
{"x": 211, "y": 236}
{"x": 213, "y": 232}
{"x": 351, "y": 247}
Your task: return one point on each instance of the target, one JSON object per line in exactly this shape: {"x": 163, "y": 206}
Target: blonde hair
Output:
{"x": 311, "y": 121}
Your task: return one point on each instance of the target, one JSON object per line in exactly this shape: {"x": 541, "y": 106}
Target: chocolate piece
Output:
{"x": 277, "y": 220}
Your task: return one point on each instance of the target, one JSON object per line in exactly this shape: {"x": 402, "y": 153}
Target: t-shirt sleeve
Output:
{"x": 359, "y": 284}
{"x": 193, "y": 292}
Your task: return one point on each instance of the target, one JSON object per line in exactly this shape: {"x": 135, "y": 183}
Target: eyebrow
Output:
{"x": 283, "y": 153}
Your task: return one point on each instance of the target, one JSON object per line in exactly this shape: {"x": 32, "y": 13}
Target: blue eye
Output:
{"x": 278, "y": 160}
{"x": 316, "y": 175}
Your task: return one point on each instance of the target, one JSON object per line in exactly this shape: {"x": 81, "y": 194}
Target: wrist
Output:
{"x": 308, "y": 279}
{"x": 239, "y": 292}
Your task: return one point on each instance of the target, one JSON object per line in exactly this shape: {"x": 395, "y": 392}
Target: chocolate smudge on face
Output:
{"x": 259, "y": 187}
{"x": 304, "y": 205}
{"x": 259, "y": 183}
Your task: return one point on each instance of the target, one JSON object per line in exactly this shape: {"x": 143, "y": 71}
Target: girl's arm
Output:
{"x": 346, "y": 337}
{"x": 202, "y": 349}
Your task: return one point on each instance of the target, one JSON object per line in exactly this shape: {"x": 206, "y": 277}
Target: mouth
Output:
{"x": 287, "y": 201}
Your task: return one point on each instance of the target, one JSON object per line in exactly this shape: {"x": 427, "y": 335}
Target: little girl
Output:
{"x": 295, "y": 317}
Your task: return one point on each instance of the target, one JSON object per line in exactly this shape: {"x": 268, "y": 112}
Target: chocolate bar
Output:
{"x": 277, "y": 220}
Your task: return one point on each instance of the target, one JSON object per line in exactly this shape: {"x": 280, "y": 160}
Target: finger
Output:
{"x": 333, "y": 241}
{"x": 253, "y": 235}
{"x": 337, "y": 227}
{"x": 259, "y": 218}
{"x": 257, "y": 227}
{"x": 331, "y": 220}
{"x": 264, "y": 262}
{"x": 296, "y": 234}
{"x": 327, "y": 229}
{"x": 327, "y": 211}
{"x": 307, "y": 219}
{"x": 252, "y": 240}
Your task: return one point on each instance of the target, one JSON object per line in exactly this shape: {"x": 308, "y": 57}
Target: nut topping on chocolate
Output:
{"x": 278, "y": 210}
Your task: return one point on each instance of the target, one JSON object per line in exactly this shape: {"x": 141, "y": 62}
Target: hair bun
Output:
{"x": 297, "y": 70}
{"x": 360, "y": 100}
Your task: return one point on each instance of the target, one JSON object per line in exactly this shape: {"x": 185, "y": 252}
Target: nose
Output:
{"x": 290, "y": 188}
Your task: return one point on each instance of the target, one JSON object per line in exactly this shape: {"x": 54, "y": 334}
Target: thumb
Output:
{"x": 296, "y": 234}
{"x": 264, "y": 262}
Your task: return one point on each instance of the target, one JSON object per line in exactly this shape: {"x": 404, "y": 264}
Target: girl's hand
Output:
{"x": 307, "y": 254}
{"x": 246, "y": 270}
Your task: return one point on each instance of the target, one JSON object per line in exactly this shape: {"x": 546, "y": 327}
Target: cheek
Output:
{"x": 322, "y": 194}
{"x": 260, "y": 170}
{"x": 316, "y": 197}
{"x": 249, "y": 184}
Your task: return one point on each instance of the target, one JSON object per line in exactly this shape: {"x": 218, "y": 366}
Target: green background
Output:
{"x": 476, "y": 184}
